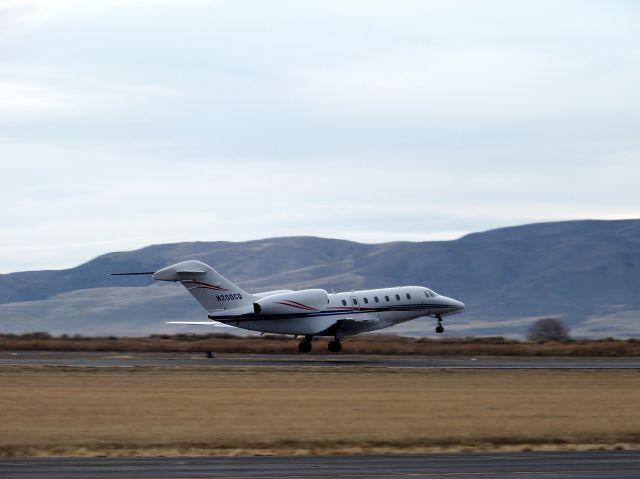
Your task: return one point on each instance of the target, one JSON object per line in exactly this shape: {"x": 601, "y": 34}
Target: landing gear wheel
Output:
{"x": 334, "y": 346}
{"x": 439, "y": 329}
{"x": 304, "y": 346}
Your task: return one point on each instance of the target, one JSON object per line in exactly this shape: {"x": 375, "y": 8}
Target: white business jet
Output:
{"x": 309, "y": 312}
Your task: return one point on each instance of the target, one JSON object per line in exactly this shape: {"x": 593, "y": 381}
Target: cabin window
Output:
{"x": 355, "y": 301}
{"x": 397, "y": 297}
{"x": 375, "y": 298}
{"x": 344, "y": 302}
{"x": 366, "y": 301}
{"x": 386, "y": 298}
{"x": 408, "y": 296}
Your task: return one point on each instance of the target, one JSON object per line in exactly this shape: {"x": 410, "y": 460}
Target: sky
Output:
{"x": 129, "y": 123}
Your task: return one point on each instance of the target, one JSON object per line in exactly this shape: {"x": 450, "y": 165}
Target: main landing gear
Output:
{"x": 334, "y": 346}
{"x": 305, "y": 346}
{"x": 439, "y": 327}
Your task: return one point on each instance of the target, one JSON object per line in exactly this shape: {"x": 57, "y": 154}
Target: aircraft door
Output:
{"x": 355, "y": 303}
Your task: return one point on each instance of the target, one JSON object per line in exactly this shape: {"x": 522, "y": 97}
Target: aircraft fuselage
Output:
{"x": 358, "y": 311}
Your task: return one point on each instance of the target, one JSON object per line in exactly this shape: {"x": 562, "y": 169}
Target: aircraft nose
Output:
{"x": 459, "y": 305}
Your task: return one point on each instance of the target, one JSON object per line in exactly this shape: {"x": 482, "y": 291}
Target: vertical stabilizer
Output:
{"x": 212, "y": 290}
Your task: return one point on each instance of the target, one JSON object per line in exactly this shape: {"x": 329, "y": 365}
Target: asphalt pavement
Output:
{"x": 567, "y": 465}
{"x": 105, "y": 359}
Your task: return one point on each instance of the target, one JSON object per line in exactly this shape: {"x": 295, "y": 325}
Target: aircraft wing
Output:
{"x": 216, "y": 324}
{"x": 355, "y": 322}
{"x": 349, "y": 325}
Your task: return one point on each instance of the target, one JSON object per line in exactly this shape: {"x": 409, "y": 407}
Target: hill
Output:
{"x": 587, "y": 272}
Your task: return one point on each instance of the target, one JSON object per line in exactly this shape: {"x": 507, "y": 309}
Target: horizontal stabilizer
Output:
{"x": 216, "y": 324}
{"x": 132, "y": 274}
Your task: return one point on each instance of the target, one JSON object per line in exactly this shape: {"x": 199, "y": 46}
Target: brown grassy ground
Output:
{"x": 161, "y": 411}
{"x": 374, "y": 344}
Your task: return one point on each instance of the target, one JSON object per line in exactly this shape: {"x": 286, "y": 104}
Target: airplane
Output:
{"x": 307, "y": 312}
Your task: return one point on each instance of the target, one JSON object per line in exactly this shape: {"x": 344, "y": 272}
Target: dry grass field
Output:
{"x": 365, "y": 344}
{"x": 308, "y": 410}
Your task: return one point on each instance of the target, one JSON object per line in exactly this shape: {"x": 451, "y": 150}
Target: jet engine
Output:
{"x": 294, "y": 302}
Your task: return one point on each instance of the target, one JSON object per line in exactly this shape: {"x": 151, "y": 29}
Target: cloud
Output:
{"x": 16, "y": 98}
{"x": 126, "y": 123}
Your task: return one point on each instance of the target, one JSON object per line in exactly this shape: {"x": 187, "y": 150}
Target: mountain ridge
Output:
{"x": 585, "y": 271}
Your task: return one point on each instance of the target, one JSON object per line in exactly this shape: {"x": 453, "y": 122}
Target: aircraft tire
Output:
{"x": 334, "y": 346}
{"x": 439, "y": 329}
{"x": 304, "y": 346}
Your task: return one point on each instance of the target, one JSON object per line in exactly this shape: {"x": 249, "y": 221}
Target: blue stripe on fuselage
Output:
{"x": 399, "y": 308}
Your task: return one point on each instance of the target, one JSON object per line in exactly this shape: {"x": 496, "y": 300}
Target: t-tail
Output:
{"x": 212, "y": 290}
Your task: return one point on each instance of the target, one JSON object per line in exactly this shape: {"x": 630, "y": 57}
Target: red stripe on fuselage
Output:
{"x": 294, "y": 304}
{"x": 300, "y": 304}
{"x": 207, "y": 285}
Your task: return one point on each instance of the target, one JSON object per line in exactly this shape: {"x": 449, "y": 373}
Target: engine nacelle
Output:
{"x": 305, "y": 301}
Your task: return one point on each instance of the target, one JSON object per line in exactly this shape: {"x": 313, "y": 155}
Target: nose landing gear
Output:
{"x": 439, "y": 327}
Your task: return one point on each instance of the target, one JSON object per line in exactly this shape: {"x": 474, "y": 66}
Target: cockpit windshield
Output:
{"x": 430, "y": 294}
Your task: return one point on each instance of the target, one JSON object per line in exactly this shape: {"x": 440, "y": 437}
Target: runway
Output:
{"x": 106, "y": 359}
{"x": 583, "y": 465}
